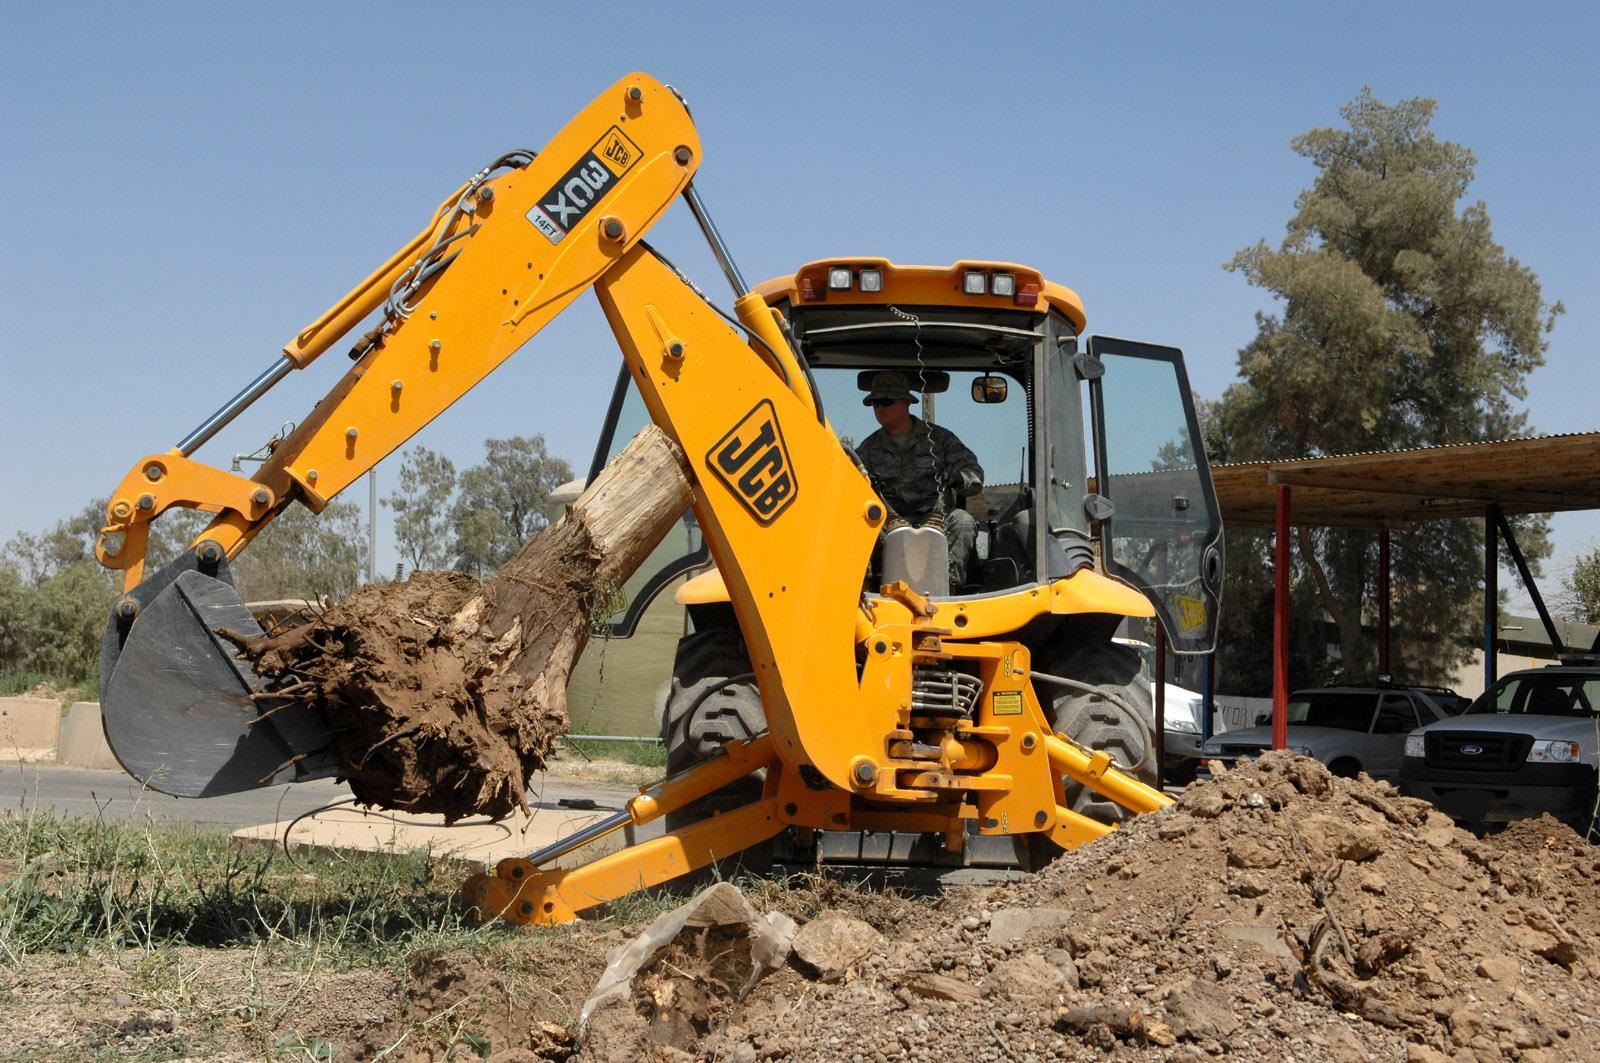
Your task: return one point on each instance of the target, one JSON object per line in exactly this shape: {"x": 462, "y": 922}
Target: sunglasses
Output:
{"x": 881, "y": 403}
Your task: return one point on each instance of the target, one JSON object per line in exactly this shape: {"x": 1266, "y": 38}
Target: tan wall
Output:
{"x": 1469, "y": 677}
{"x": 83, "y": 739}
{"x": 28, "y": 728}
{"x": 620, "y": 685}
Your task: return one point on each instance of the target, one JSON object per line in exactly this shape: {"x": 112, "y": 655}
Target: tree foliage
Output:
{"x": 299, "y": 554}
{"x": 304, "y": 555}
{"x": 55, "y": 597}
{"x": 503, "y": 502}
{"x": 1402, "y": 324}
{"x": 54, "y": 600}
{"x": 1581, "y": 589}
{"x": 421, "y": 504}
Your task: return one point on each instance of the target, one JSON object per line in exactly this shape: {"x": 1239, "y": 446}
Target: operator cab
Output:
{"x": 1088, "y": 452}
{"x": 972, "y": 376}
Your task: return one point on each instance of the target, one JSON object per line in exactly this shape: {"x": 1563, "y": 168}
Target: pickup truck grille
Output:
{"x": 1476, "y": 750}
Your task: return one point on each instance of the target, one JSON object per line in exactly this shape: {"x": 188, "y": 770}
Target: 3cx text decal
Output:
{"x": 570, "y": 199}
{"x": 752, "y": 461}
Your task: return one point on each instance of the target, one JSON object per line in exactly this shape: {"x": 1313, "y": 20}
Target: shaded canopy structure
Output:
{"x": 1398, "y": 489}
{"x": 1392, "y": 489}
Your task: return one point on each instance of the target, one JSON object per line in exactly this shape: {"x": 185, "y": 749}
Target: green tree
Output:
{"x": 55, "y": 597}
{"x": 38, "y": 557}
{"x": 54, "y": 600}
{"x": 304, "y": 555}
{"x": 1581, "y": 589}
{"x": 1402, "y": 324}
{"x": 504, "y": 502}
{"x": 421, "y": 505}
{"x": 299, "y": 554}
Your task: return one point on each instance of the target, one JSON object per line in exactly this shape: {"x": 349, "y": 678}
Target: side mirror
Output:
{"x": 989, "y": 388}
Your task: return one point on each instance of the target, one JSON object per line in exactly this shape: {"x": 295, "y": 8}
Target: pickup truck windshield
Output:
{"x": 1541, "y": 695}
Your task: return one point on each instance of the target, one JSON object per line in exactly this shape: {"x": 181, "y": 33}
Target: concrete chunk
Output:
{"x": 83, "y": 739}
{"x": 1011, "y": 926}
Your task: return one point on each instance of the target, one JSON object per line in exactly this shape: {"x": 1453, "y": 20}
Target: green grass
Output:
{"x": 73, "y": 886}
{"x": 646, "y": 753}
{"x": 18, "y": 683}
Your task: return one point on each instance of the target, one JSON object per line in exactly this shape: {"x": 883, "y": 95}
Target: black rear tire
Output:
{"x": 714, "y": 700}
{"x": 1098, "y": 723}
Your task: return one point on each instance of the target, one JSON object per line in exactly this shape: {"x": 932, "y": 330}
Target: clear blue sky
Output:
{"x": 186, "y": 185}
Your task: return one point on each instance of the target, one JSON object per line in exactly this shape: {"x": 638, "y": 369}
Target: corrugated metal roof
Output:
{"x": 1536, "y": 474}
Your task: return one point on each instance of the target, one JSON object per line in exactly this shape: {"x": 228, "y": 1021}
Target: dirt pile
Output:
{"x": 1276, "y": 912}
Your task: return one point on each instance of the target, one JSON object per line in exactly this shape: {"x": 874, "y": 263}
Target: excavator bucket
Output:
{"x": 182, "y": 712}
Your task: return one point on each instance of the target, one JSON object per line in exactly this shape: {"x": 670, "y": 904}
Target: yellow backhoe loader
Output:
{"x": 835, "y": 690}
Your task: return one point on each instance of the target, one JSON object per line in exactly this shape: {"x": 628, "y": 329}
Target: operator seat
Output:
{"x": 1010, "y": 561}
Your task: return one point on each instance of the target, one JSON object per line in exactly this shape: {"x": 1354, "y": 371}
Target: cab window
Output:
{"x": 1346, "y": 710}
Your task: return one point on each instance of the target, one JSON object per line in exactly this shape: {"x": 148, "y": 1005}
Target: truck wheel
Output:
{"x": 1097, "y": 723}
{"x": 714, "y": 700}
{"x": 1345, "y": 768}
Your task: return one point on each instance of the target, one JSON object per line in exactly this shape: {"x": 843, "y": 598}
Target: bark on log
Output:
{"x": 445, "y": 694}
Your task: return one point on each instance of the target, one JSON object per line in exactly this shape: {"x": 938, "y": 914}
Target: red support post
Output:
{"x": 1280, "y": 624}
{"x": 1383, "y": 601}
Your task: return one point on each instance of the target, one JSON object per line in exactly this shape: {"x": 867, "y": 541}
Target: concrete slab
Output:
{"x": 29, "y": 728}
{"x": 349, "y": 828}
{"x": 83, "y": 739}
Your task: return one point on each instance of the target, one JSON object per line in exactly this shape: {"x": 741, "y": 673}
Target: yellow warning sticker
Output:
{"x": 1008, "y": 703}
{"x": 1191, "y": 614}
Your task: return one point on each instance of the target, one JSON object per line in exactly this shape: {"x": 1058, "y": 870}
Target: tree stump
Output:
{"x": 444, "y": 693}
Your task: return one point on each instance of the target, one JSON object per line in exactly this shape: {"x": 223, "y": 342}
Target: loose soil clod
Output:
{"x": 1379, "y": 931}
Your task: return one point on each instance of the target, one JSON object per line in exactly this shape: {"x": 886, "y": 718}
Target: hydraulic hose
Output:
{"x": 1145, "y": 729}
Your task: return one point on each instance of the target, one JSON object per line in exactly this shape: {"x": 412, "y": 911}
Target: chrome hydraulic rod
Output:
{"x": 714, "y": 238}
{"x": 234, "y": 407}
{"x": 739, "y": 759}
{"x": 578, "y": 839}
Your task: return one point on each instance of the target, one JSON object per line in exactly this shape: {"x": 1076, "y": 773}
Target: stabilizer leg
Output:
{"x": 520, "y": 892}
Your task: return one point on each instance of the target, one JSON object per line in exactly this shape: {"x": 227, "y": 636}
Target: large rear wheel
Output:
{"x": 1105, "y": 720}
{"x": 714, "y": 701}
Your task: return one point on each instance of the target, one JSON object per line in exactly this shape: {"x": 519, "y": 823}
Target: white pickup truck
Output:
{"x": 1529, "y": 744}
{"x": 1182, "y": 712}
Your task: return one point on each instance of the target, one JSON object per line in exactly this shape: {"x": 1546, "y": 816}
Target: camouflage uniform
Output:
{"x": 911, "y": 476}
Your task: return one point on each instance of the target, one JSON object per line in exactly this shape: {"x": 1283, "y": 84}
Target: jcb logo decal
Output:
{"x": 570, "y": 199}
{"x": 619, "y": 150}
{"x": 753, "y": 462}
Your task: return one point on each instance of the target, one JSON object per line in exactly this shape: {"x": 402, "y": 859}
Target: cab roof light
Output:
{"x": 1003, "y": 284}
{"x": 870, "y": 280}
{"x": 839, "y": 278}
{"x": 1027, "y": 294}
{"x": 975, "y": 282}
{"x": 810, "y": 292}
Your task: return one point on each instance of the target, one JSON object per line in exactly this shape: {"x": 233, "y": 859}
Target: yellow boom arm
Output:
{"x": 502, "y": 258}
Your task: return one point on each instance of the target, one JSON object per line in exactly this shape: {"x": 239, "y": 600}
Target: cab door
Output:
{"x": 1164, "y": 535}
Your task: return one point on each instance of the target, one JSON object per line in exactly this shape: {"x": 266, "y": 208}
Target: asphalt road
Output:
{"x": 114, "y": 796}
